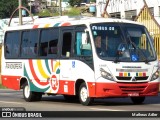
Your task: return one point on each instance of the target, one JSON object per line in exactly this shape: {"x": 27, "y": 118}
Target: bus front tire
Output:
{"x": 137, "y": 100}
{"x": 83, "y": 95}
{"x": 30, "y": 96}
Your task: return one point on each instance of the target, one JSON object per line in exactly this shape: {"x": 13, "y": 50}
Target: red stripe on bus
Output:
{"x": 35, "y": 26}
{"x": 34, "y": 74}
{"x": 66, "y": 24}
{"x": 51, "y": 66}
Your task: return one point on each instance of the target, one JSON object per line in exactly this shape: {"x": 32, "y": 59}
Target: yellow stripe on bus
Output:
{"x": 41, "y": 70}
{"x": 56, "y": 65}
{"x": 47, "y": 25}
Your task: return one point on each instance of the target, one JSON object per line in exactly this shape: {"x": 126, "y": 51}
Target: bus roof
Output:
{"x": 67, "y": 21}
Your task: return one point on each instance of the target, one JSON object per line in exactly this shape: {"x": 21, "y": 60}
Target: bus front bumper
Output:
{"x": 126, "y": 89}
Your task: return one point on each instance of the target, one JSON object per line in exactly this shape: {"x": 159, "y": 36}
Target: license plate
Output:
{"x": 133, "y": 94}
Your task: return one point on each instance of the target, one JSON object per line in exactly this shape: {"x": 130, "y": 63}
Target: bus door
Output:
{"x": 66, "y": 63}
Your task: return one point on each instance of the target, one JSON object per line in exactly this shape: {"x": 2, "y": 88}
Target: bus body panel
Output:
{"x": 48, "y": 76}
{"x": 60, "y": 75}
{"x": 11, "y": 82}
{"x": 73, "y": 70}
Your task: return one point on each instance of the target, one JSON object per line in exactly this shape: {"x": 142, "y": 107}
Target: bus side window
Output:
{"x": 8, "y": 50}
{"x": 82, "y": 49}
{"x": 49, "y": 42}
{"x": 43, "y": 48}
{"x": 33, "y": 42}
{"x": 67, "y": 39}
{"x": 12, "y": 44}
{"x": 53, "y": 48}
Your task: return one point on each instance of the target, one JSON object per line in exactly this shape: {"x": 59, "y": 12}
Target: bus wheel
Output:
{"x": 137, "y": 100}
{"x": 83, "y": 95}
{"x": 29, "y": 95}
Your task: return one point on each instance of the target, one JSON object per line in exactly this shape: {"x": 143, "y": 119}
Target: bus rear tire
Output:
{"x": 30, "y": 96}
{"x": 83, "y": 95}
{"x": 137, "y": 100}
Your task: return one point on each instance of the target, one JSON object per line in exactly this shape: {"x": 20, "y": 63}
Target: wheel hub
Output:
{"x": 83, "y": 94}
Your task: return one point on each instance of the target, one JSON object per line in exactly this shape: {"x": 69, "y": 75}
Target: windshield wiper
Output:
{"x": 136, "y": 47}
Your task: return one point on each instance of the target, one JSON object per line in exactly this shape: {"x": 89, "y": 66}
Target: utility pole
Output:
{"x": 30, "y": 7}
{"x": 20, "y": 12}
{"x": 60, "y": 8}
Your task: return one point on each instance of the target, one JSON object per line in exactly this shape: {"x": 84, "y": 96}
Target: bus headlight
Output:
{"x": 155, "y": 76}
{"x": 106, "y": 75}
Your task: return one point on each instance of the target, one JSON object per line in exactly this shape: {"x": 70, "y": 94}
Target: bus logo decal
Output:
{"x": 54, "y": 84}
{"x": 133, "y": 79}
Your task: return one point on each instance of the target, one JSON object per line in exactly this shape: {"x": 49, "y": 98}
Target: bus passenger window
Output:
{"x": 8, "y": 50}
{"x": 48, "y": 42}
{"x": 28, "y": 42}
{"x": 53, "y": 48}
{"x": 12, "y": 44}
{"x": 43, "y": 49}
{"x": 67, "y": 39}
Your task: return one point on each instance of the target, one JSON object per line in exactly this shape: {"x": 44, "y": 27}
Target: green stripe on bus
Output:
{"x": 47, "y": 65}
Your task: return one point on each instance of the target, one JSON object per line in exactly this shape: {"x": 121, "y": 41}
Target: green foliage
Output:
{"x": 8, "y": 6}
{"x": 2, "y": 87}
{"x": 74, "y": 12}
{"x": 45, "y": 13}
{"x": 92, "y": 0}
{"x": 74, "y": 2}
{"x": 56, "y": 14}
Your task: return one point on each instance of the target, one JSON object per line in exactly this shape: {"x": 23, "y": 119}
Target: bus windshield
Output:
{"x": 123, "y": 42}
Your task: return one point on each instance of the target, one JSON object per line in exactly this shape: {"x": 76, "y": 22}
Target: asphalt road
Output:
{"x": 11, "y": 98}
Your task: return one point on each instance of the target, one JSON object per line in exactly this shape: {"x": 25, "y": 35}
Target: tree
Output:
{"x": 37, "y": 6}
{"x": 8, "y": 6}
{"x": 74, "y": 2}
{"x": 92, "y": 0}
{"x": 44, "y": 13}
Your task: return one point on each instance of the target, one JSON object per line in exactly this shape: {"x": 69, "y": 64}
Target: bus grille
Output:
{"x": 141, "y": 78}
{"x": 123, "y": 78}
{"x": 129, "y": 78}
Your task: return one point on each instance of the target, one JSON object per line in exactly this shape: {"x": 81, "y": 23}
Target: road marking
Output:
{"x": 154, "y": 104}
{"x": 10, "y": 102}
{"x": 6, "y": 93}
{"x": 105, "y": 109}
